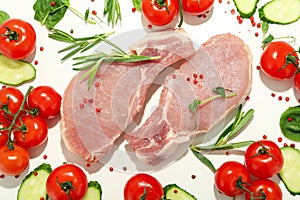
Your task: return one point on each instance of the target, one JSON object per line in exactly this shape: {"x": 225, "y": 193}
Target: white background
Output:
{"x": 50, "y": 71}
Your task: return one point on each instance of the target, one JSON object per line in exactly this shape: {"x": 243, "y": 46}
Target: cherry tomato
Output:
{"x": 273, "y": 60}
{"x": 33, "y": 131}
{"x": 3, "y": 131}
{"x": 10, "y": 102}
{"x": 17, "y": 39}
{"x": 143, "y": 184}
{"x": 160, "y": 12}
{"x": 46, "y": 100}
{"x": 13, "y": 161}
{"x": 264, "y": 189}
{"x": 263, "y": 159}
{"x": 66, "y": 179}
{"x": 231, "y": 178}
{"x": 297, "y": 82}
{"x": 196, "y": 7}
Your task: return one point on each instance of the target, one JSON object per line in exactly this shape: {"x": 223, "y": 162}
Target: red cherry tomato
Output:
{"x": 3, "y": 131}
{"x": 273, "y": 60}
{"x": 17, "y": 39}
{"x": 160, "y": 12}
{"x": 33, "y": 131}
{"x": 297, "y": 82}
{"x": 47, "y": 100}
{"x": 263, "y": 159}
{"x": 264, "y": 189}
{"x": 143, "y": 184}
{"x": 196, "y": 7}
{"x": 10, "y": 102}
{"x": 231, "y": 178}
{"x": 66, "y": 179}
{"x": 13, "y": 161}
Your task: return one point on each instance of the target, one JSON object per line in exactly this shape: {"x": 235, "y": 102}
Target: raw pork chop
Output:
{"x": 93, "y": 119}
{"x": 223, "y": 61}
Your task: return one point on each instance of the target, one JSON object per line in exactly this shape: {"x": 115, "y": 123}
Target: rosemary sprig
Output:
{"x": 240, "y": 121}
{"x": 77, "y": 44}
{"x": 93, "y": 62}
{"x": 112, "y": 11}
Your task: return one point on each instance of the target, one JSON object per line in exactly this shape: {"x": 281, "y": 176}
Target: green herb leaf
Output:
{"x": 3, "y": 16}
{"x": 220, "y": 91}
{"x": 112, "y": 11}
{"x": 267, "y": 40}
{"x": 220, "y": 94}
{"x": 194, "y": 106}
{"x": 50, "y": 15}
{"x": 265, "y": 28}
{"x": 241, "y": 124}
{"x": 203, "y": 159}
{"x": 137, "y": 4}
{"x": 86, "y": 14}
{"x": 230, "y": 127}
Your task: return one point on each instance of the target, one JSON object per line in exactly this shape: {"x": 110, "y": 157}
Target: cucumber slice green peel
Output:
{"x": 34, "y": 184}
{"x": 94, "y": 191}
{"x": 290, "y": 172}
{"x": 15, "y": 72}
{"x": 280, "y": 11}
{"x": 174, "y": 192}
{"x": 246, "y": 8}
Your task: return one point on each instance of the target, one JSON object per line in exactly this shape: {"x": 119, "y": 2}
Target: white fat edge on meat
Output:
{"x": 139, "y": 46}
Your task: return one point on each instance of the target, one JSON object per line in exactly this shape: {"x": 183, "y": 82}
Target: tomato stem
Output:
{"x": 15, "y": 117}
{"x": 12, "y": 35}
{"x": 262, "y": 151}
{"x": 180, "y": 13}
{"x": 144, "y": 195}
{"x": 240, "y": 185}
{"x": 66, "y": 186}
{"x": 161, "y": 4}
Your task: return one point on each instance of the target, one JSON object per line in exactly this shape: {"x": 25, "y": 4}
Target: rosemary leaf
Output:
{"x": 112, "y": 11}
{"x": 223, "y": 135}
{"x": 84, "y": 67}
{"x": 91, "y": 57}
{"x": 242, "y": 123}
{"x": 69, "y": 48}
{"x": 91, "y": 45}
{"x": 72, "y": 53}
{"x": 221, "y": 138}
{"x": 203, "y": 159}
{"x": 227, "y": 146}
{"x": 235, "y": 127}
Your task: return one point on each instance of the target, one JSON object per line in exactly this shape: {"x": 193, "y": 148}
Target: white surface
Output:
{"x": 50, "y": 71}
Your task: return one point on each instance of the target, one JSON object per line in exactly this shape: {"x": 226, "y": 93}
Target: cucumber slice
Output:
{"x": 94, "y": 191}
{"x": 34, "y": 184}
{"x": 174, "y": 192}
{"x": 280, "y": 11}
{"x": 15, "y": 72}
{"x": 246, "y": 8}
{"x": 290, "y": 172}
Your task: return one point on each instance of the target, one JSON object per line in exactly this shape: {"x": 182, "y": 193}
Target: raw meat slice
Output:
{"x": 93, "y": 119}
{"x": 223, "y": 61}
